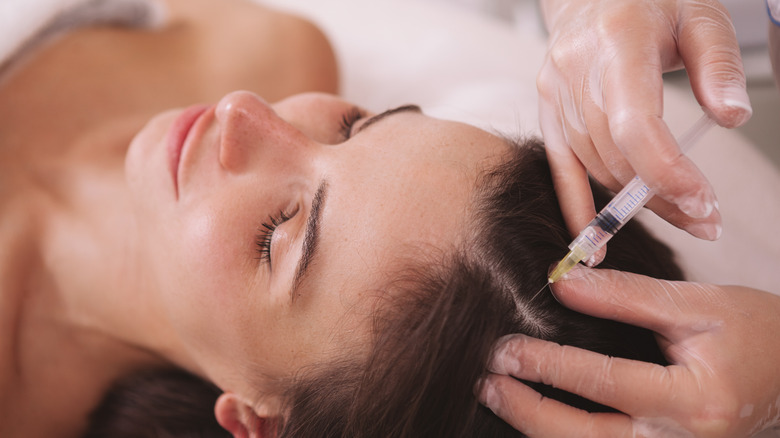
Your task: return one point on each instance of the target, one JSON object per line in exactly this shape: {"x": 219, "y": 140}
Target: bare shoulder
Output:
{"x": 282, "y": 53}
{"x": 206, "y": 49}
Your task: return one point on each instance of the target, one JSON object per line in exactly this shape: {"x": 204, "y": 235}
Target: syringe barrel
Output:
{"x": 612, "y": 217}
{"x": 627, "y": 203}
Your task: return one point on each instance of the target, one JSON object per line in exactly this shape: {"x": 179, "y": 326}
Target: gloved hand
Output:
{"x": 601, "y": 100}
{"x": 722, "y": 342}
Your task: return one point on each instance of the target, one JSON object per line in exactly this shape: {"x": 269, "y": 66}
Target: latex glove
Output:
{"x": 722, "y": 342}
{"x": 601, "y": 100}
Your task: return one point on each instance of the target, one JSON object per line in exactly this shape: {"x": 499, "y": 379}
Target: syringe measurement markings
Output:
{"x": 598, "y": 236}
{"x": 592, "y": 242}
{"x": 615, "y": 215}
{"x": 625, "y": 209}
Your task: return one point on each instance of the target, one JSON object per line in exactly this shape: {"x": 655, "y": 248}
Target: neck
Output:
{"x": 82, "y": 301}
{"x": 44, "y": 330}
{"x": 73, "y": 294}
{"x": 91, "y": 250}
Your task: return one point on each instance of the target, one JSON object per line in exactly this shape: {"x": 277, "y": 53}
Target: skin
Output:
{"x": 393, "y": 190}
{"x": 107, "y": 267}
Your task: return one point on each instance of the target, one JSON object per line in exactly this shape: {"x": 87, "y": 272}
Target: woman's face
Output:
{"x": 269, "y": 237}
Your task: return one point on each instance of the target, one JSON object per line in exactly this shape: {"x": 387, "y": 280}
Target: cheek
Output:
{"x": 205, "y": 282}
{"x": 204, "y": 262}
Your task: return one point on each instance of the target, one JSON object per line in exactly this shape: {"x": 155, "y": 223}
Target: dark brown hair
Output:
{"x": 435, "y": 338}
{"x": 435, "y": 331}
{"x": 164, "y": 403}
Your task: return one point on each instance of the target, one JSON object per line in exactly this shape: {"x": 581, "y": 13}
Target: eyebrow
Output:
{"x": 390, "y": 112}
{"x": 310, "y": 238}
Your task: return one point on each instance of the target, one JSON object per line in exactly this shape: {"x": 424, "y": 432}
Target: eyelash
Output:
{"x": 348, "y": 120}
{"x": 266, "y": 232}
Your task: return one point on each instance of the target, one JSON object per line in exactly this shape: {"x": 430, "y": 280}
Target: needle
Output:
{"x": 540, "y": 291}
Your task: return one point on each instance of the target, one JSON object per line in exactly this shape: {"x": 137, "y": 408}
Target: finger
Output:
{"x": 588, "y": 147}
{"x": 529, "y": 412}
{"x": 628, "y": 385}
{"x": 709, "y": 48}
{"x": 708, "y": 228}
{"x": 616, "y": 172}
{"x": 568, "y": 174}
{"x": 671, "y": 309}
{"x": 632, "y": 89}
{"x": 633, "y": 100}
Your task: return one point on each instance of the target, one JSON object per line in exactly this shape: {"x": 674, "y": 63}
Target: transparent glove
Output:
{"x": 722, "y": 343}
{"x": 601, "y": 100}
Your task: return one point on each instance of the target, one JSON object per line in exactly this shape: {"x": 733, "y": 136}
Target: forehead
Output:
{"x": 405, "y": 192}
{"x": 399, "y": 193}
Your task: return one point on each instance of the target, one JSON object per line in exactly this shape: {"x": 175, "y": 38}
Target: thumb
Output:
{"x": 658, "y": 305}
{"x": 708, "y": 46}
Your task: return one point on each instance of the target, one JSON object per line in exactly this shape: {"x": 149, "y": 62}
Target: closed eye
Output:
{"x": 265, "y": 235}
{"x": 348, "y": 120}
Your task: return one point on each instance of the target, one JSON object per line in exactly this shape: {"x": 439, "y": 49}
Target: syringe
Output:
{"x": 620, "y": 210}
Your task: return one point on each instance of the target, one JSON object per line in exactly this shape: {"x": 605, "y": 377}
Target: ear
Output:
{"x": 242, "y": 420}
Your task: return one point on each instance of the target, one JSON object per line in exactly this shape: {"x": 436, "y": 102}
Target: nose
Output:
{"x": 251, "y": 130}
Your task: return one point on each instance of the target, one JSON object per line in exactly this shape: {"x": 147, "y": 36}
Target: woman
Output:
{"x": 216, "y": 223}
{"x": 76, "y": 294}
{"x": 128, "y": 248}
{"x": 436, "y": 315}
{"x": 222, "y": 239}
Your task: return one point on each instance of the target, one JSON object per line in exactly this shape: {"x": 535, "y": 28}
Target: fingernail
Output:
{"x": 596, "y": 258}
{"x": 738, "y": 109}
{"x": 488, "y": 396}
{"x": 708, "y": 231}
{"x": 698, "y": 205}
{"x": 479, "y": 387}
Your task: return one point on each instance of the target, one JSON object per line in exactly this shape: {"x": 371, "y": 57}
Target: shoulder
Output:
{"x": 33, "y": 23}
{"x": 279, "y": 52}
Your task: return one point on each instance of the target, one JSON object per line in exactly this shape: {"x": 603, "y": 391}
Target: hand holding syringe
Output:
{"x": 620, "y": 210}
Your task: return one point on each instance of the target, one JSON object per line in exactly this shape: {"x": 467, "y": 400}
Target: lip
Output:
{"x": 177, "y": 136}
